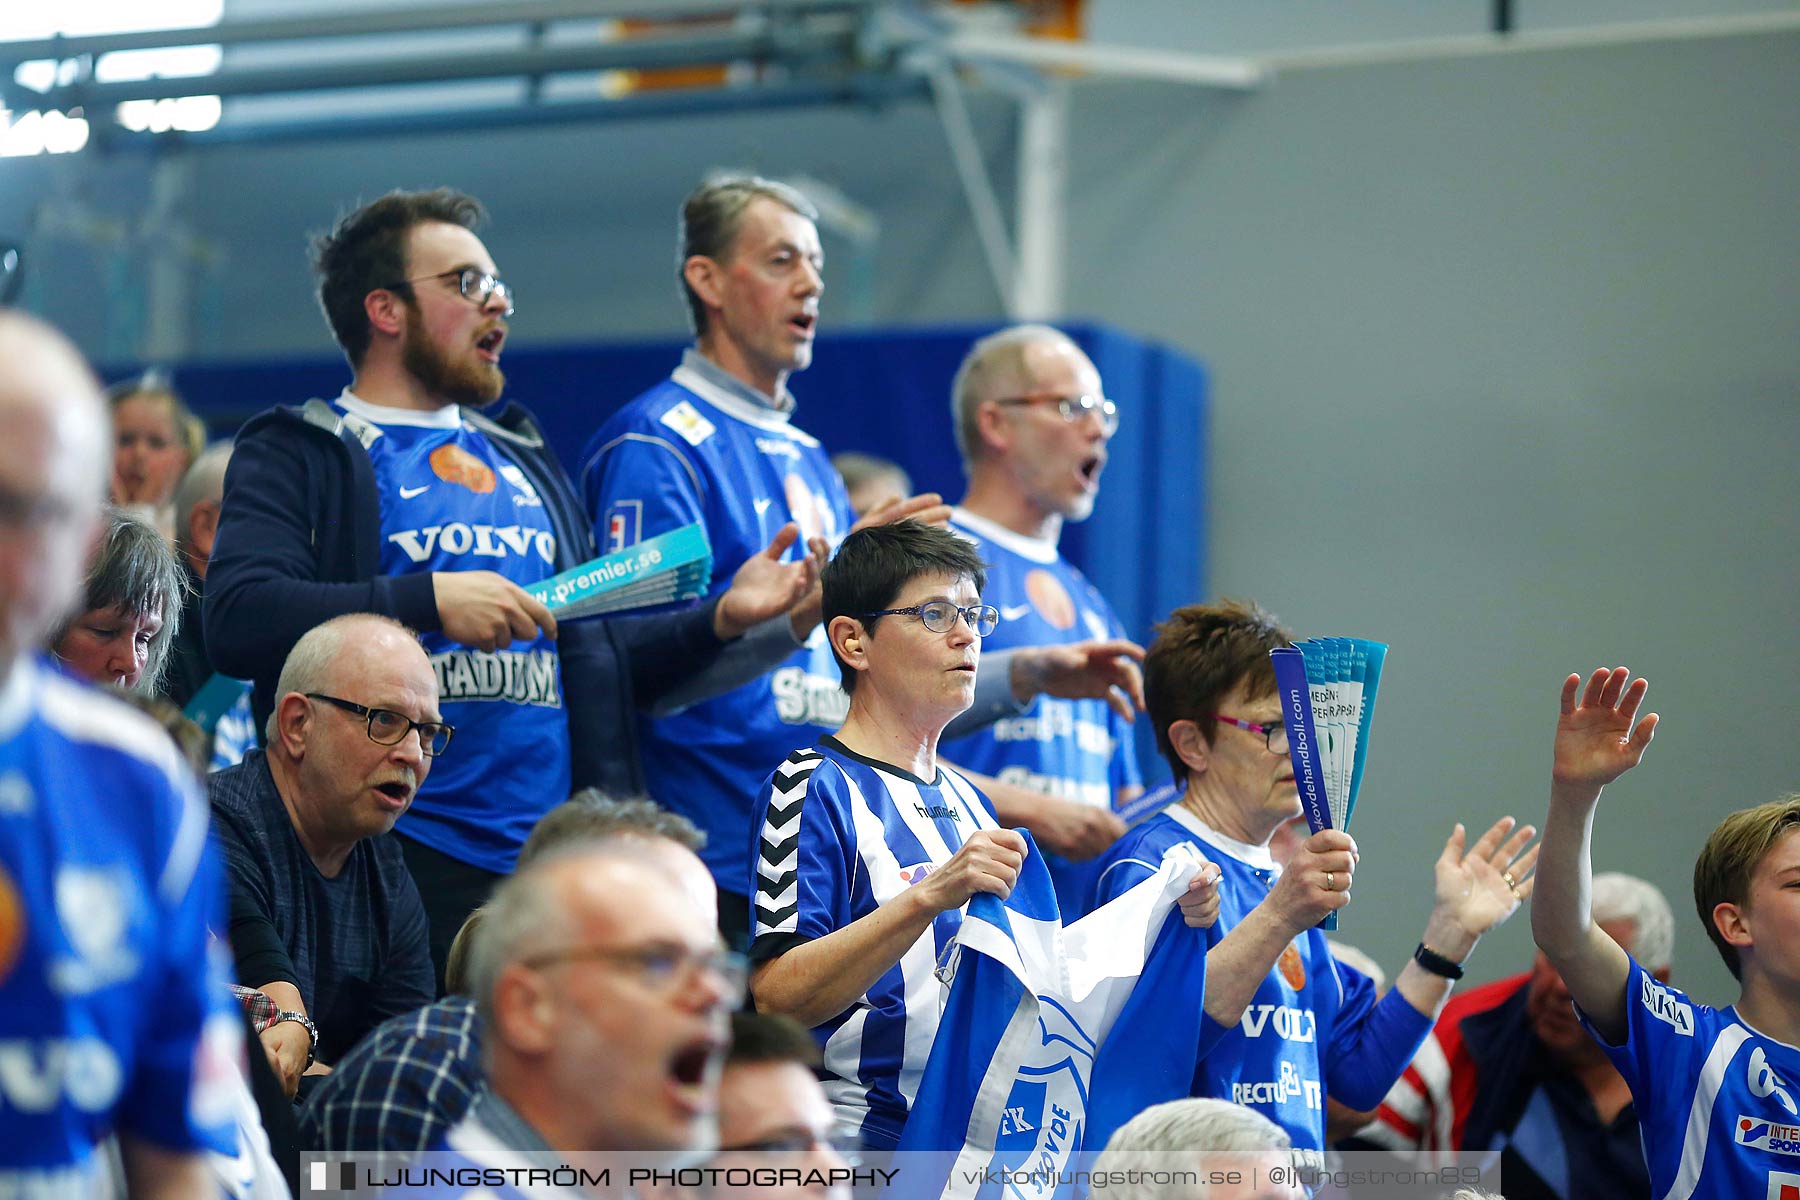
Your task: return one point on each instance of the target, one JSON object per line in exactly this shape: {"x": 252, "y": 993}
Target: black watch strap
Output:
{"x": 1436, "y": 963}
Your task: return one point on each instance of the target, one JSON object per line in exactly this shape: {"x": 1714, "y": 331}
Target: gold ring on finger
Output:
{"x": 1512, "y": 885}
{"x": 1329, "y": 877}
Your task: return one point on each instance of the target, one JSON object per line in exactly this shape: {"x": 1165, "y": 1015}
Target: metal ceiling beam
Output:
{"x": 835, "y": 43}
{"x": 871, "y": 89}
{"x": 428, "y": 19}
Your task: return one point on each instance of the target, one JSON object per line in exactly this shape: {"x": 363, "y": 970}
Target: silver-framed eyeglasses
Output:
{"x": 1074, "y": 409}
{"x": 940, "y": 616}
{"x": 662, "y": 967}
{"x": 1274, "y": 736}
{"x": 389, "y": 728}
{"x": 477, "y": 286}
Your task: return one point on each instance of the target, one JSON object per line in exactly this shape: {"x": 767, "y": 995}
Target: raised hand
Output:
{"x": 1093, "y": 670}
{"x": 1479, "y": 889}
{"x": 1316, "y": 880}
{"x": 766, "y": 587}
{"x": 1595, "y": 741}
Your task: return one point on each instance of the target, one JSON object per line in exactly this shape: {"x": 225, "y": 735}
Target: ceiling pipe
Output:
{"x": 647, "y": 53}
{"x": 428, "y": 19}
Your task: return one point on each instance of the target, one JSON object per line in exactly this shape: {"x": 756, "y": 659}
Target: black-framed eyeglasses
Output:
{"x": 1074, "y": 409}
{"x": 1274, "y": 736}
{"x": 476, "y": 285}
{"x": 940, "y": 616}
{"x": 663, "y": 967}
{"x": 389, "y": 728}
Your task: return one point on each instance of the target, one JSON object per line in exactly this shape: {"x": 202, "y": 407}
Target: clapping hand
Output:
{"x": 1481, "y": 888}
{"x": 766, "y": 587}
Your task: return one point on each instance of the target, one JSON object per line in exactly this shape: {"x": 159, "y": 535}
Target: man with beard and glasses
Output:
{"x": 325, "y": 920}
{"x": 398, "y": 497}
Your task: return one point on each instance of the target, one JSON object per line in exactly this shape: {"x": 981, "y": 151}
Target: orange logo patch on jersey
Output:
{"x": 453, "y": 464}
{"x": 1293, "y": 967}
{"x": 12, "y": 925}
{"x": 1050, "y": 598}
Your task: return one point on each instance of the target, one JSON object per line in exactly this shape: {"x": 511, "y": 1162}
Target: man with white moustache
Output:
{"x": 325, "y": 919}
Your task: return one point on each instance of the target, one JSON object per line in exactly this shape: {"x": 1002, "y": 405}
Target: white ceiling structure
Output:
{"x": 254, "y": 73}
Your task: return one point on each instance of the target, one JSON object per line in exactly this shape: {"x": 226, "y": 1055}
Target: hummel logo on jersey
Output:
{"x": 1766, "y": 1135}
{"x": 1666, "y": 1005}
{"x": 938, "y": 812}
{"x": 407, "y": 493}
{"x": 1012, "y": 612}
{"x": 484, "y": 541}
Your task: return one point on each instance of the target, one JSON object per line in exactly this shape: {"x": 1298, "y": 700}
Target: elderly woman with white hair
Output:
{"x": 1198, "y": 1149}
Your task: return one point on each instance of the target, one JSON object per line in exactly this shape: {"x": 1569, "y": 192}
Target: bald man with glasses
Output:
{"x": 1033, "y": 425}
{"x": 325, "y": 919}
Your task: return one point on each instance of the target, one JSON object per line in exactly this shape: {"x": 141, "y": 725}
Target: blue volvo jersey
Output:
{"x": 451, "y": 501}
{"x": 1718, "y": 1102}
{"x": 1313, "y": 1026}
{"x": 1078, "y": 750}
{"x": 685, "y": 451}
{"x": 840, "y": 835}
{"x": 114, "y": 1015}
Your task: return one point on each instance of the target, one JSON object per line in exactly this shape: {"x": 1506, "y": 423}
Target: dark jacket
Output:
{"x": 299, "y": 542}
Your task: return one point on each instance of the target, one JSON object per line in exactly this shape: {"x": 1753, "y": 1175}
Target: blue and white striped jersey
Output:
{"x": 838, "y": 836}
{"x": 452, "y": 501}
{"x": 114, "y": 1015}
{"x": 1718, "y": 1102}
{"x": 1314, "y": 1025}
{"x": 691, "y": 450}
{"x": 1078, "y": 750}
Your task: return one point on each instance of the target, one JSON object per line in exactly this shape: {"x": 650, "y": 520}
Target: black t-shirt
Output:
{"x": 355, "y": 946}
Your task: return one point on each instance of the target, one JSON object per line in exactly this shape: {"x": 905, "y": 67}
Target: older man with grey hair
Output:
{"x": 1509, "y": 1070}
{"x": 1033, "y": 423}
{"x": 603, "y": 993}
{"x": 1198, "y": 1149}
{"x": 325, "y": 920}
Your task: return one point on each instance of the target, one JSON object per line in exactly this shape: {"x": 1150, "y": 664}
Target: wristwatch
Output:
{"x": 305, "y": 1022}
{"x": 1436, "y": 963}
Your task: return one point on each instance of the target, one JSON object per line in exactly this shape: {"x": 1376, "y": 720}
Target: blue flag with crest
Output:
{"x": 1053, "y": 1037}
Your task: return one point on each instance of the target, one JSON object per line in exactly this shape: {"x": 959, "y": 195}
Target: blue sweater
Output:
{"x": 299, "y": 542}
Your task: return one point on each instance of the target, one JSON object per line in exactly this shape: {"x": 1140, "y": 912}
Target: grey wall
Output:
{"x": 1509, "y": 349}
{"x": 1509, "y": 345}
